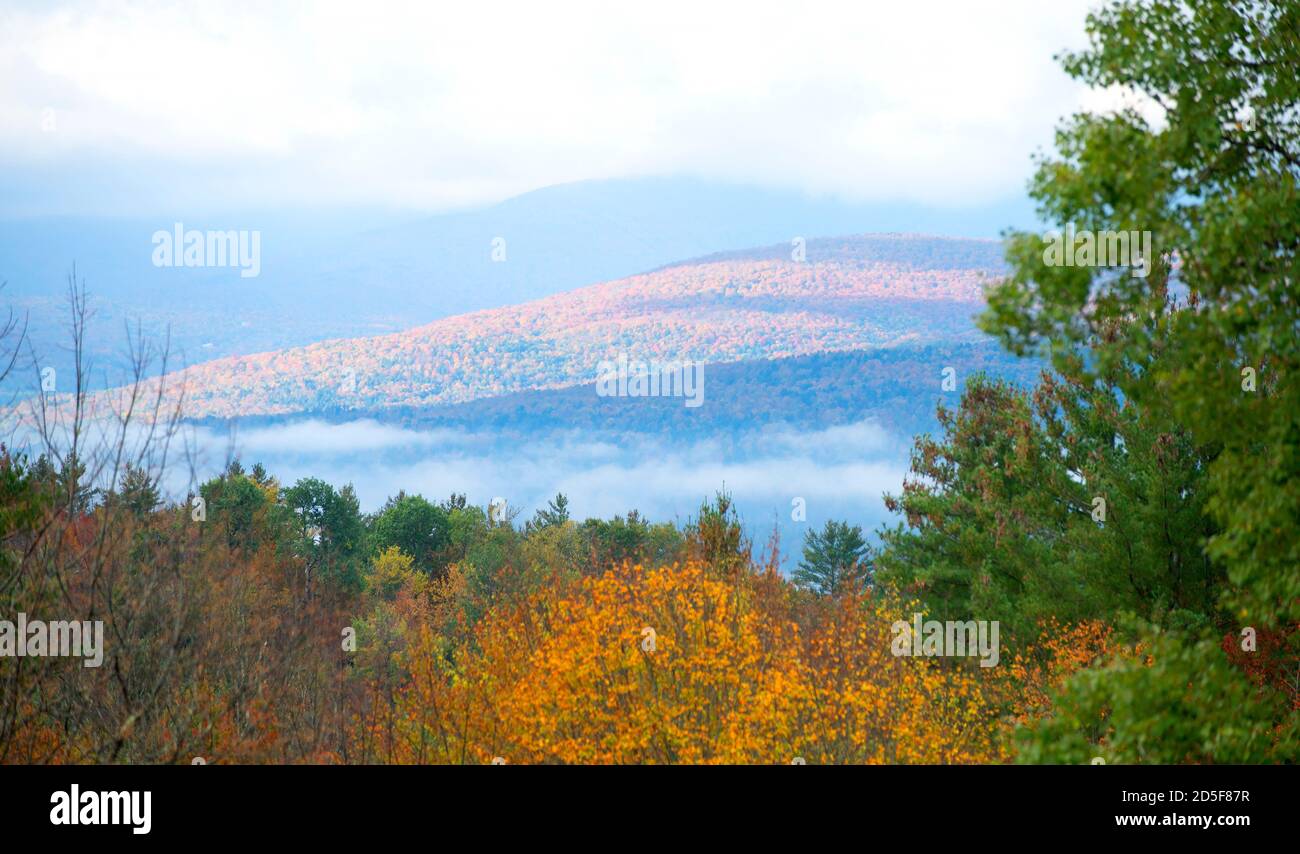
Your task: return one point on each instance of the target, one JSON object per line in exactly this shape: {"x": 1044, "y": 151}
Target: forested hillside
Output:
{"x": 897, "y": 388}
{"x": 847, "y": 294}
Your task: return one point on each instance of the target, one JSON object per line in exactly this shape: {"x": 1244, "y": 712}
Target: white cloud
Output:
{"x": 840, "y": 471}
{"x": 426, "y": 105}
{"x": 319, "y": 437}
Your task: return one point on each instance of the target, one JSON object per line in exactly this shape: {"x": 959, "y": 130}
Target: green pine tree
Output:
{"x": 834, "y": 560}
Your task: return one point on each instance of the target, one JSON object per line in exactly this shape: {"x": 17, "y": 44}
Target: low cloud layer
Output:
{"x": 839, "y": 472}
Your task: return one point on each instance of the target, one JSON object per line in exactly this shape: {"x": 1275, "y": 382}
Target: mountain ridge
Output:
{"x": 849, "y": 293}
{"x": 349, "y": 273}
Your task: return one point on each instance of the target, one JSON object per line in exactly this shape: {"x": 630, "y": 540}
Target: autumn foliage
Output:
{"x": 677, "y": 665}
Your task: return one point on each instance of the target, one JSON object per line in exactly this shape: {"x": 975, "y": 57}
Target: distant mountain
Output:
{"x": 567, "y": 236}
{"x": 342, "y": 274}
{"x": 846, "y": 294}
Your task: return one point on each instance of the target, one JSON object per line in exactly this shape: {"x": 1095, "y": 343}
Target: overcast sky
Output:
{"x": 147, "y": 108}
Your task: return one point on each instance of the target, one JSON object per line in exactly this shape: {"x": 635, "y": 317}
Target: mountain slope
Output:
{"x": 897, "y": 388}
{"x": 850, "y": 294}
{"x": 351, "y": 273}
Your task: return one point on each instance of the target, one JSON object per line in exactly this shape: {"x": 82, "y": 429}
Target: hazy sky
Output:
{"x": 143, "y": 108}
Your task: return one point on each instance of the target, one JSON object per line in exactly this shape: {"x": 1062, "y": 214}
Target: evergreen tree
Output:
{"x": 73, "y": 489}
{"x": 555, "y": 513}
{"x": 1215, "y": 180}
{"x": 138, "y": 492}
{"x": 834, "y": 560}
{"x": 1068, "y": 502}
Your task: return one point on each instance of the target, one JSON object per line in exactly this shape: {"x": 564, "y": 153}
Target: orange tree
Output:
{"x": 680, "y": 665}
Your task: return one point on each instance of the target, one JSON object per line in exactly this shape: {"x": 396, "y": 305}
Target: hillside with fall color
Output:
{"x": 847, "y": 294}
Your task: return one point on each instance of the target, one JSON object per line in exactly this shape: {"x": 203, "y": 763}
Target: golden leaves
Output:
{"x": 732, "y": 678}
